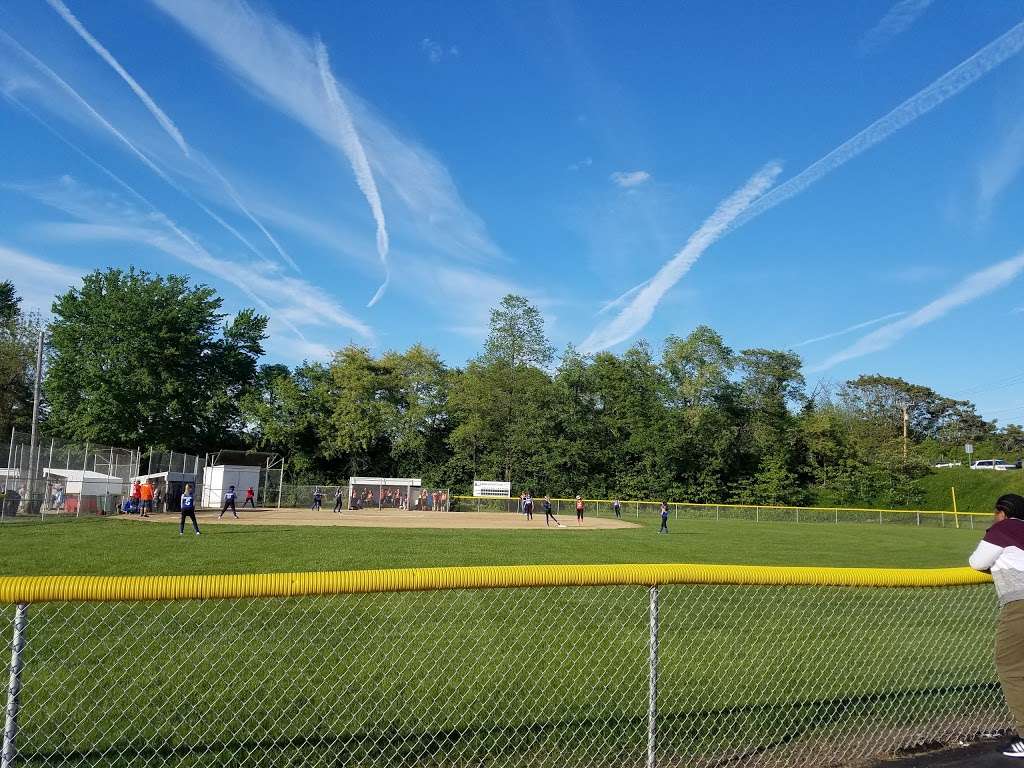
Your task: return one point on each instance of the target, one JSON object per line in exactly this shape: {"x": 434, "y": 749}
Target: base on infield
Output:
{"x": 392, "y": 518}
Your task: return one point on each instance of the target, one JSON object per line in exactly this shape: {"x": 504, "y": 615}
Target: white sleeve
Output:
{"x": 985, "y": 556}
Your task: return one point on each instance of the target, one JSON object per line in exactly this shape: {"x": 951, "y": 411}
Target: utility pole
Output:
{"x": 906, "y": 419}
{"x": 35, "y": 422}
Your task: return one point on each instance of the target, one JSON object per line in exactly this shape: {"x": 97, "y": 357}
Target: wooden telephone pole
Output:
{"x": 906, "y": 419}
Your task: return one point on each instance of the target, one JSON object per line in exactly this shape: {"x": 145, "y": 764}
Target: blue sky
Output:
{"x": 383, "y": 174}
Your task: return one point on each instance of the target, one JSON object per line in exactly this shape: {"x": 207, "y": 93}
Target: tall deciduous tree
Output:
{"x": 515, "y": 344}
{"x": 137, "y": 359}
{"x": 19, "y": 332}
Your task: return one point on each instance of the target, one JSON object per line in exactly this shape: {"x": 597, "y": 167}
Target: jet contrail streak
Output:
{"x": 169, "y": 126}
{"x": 353, "y": 148}
{"x": 636, "y": 314}
{"x": 950, "y": 84}
{"x": 851, "y": 329}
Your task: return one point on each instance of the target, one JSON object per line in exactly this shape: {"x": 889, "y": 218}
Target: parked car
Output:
{"x": 997, "y": 464}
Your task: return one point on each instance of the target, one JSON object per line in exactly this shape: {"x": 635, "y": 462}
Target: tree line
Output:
{"x": 149, "y": 360}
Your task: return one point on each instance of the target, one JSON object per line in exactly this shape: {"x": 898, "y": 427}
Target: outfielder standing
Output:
{"x": 229, "y": 501}
{"x": 188, "y": 509}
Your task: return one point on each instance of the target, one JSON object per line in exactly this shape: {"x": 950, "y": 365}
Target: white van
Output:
{"x": 997, "y": 464}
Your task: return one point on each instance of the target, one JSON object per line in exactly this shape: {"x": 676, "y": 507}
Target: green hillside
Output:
{"x": 976, "y": 490}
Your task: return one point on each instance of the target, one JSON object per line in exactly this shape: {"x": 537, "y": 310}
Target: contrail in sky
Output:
{"x": 636, "y": 314}
{"x": 166, "y": 123}
{"x": 353, "y": 149}
{"x": 972, "y": 287}
{"x": 851, "y": 329}
{"x": 142, "y": 156}
{"x": 950, "y": 84}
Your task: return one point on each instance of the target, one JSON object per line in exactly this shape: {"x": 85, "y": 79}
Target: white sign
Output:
{"x": 492, "y": 488}
{"x": 969, "y": 449}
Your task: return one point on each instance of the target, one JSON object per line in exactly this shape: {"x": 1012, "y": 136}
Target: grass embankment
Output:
{"x": 976, "y": 490}
{"x": 498, "y": 677}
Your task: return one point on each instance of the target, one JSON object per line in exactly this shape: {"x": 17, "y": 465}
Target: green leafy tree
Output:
{"x": 515, "y": 347}
{"x": 19, "y": 334}
{"x": 137, "y": 359}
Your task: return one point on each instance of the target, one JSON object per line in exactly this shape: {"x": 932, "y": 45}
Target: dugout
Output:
{"x": 395, "y": 493}
{"x": 261, "y": 471}
{"x": 170, "y": 485}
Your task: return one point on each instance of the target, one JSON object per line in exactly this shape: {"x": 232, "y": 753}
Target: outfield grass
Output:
{"x": 127, "y": 547}
{"x": 540, "y": 677}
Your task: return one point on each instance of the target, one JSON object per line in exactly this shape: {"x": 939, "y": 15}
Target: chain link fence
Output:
{"x": 549, "y": 667}
{"x": 62, "y": 478}
{"x": 635, "y": 510}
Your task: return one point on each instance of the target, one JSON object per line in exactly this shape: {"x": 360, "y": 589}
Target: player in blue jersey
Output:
{"x": 229, "y": 503}
{"x": 188, "y": 509}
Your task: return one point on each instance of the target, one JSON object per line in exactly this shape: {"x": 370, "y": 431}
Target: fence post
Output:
{"x": 10, "y": 749}
{"x": 652, "y": 680}
{"x": 879, "y": 517}
{"x": 919, "y": 518}
{"x": 638, "y": 510}
{"x": 717, "y": 510}
{"x": 10, "y": 455}
{"x": 757, "y": 514}
{"x": 798, "y": 514}
{"x": 837, "y": 515}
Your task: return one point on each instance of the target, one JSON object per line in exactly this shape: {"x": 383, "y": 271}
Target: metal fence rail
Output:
{"x": 504, "y": 666}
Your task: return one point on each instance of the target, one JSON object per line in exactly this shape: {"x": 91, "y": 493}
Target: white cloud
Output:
{"x": 973, "y": 287}
{"x": 586, "y": 162}
{"x": 36, "y": 280}
{"x": 630, "y": 179}
{"x": 279, "y": 65}
{"x": 896, "y": 21}
{"x": 1001, "y": 167}
{"x": 850, "y": 329}
{"x": 638, "y": 312}
{"x": 105, "y": 217}
{"x": 436, "y": 52}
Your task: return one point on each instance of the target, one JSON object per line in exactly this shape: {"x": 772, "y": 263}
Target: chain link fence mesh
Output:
{"x": 747, "y": 675}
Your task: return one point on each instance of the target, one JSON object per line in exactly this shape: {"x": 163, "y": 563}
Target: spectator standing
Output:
{"x": 158, "y": 500}
{"x": 1001, "y": 552}
{"x": 146, "y": 498}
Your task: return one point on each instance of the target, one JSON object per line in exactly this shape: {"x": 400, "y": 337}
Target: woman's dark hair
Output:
{"x": 1011, "y": 505}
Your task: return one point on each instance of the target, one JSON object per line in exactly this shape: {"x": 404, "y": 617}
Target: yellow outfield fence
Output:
{"x": 714, "y": 511}
{"x": 553, "y": 665}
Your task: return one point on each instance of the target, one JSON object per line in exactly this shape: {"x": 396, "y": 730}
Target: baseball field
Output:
{"x": 493, "y": 677}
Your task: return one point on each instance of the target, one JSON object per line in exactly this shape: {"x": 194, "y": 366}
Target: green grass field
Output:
{"x": 542, "y": 677}
{"x": 127, "y": 547}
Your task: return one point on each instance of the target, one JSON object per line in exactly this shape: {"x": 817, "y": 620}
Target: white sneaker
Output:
{"x": 197, "y": 533}
{"x": 1015, "y": 748}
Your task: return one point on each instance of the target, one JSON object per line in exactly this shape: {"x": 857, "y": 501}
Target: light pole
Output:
{"x": 35, "y": 422}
